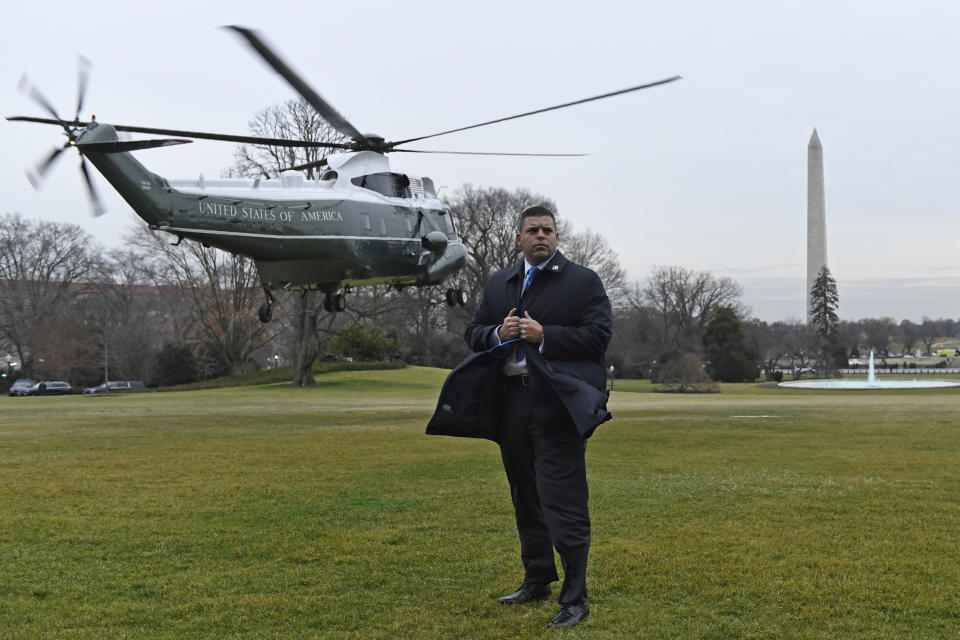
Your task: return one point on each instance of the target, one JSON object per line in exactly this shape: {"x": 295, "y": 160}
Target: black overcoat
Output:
{"x": 569, "y": 301}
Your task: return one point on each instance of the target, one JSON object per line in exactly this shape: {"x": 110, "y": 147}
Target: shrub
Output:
{"x": 361, "y": 343}
{"x": 175, "y": 365}
{"x": 685, "y": 374}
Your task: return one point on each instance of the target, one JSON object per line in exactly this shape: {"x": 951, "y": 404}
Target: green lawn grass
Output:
{"x": 278, "y": 512}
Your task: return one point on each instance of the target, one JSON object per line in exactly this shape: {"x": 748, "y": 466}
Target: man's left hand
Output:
{"x": 530, "y": 329}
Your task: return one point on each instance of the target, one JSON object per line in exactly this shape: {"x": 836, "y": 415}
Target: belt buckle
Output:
{"x": 523, "y": 379}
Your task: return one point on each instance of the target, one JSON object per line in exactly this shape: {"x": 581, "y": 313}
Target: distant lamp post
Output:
{"x": 611, "y": 377}
{"x": 9, "y": 360}
{"x": 276, "y": 361}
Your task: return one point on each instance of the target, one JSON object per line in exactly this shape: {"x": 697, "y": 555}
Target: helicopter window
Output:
{"x": 409, "y": 223}
{"x": 366, "y": 222}
{"x": 450, "y": 224}
{"x": 383, "y": 226}
{"x": 394, "y": 185}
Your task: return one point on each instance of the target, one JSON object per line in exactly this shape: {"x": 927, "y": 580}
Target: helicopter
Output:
{"x": 358, "y": 223}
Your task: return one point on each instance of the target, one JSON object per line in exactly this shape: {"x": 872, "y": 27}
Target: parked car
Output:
{"x": 21, "y": 386}
{"x": 115, "y": 386}
{"x": 50, "y": 388}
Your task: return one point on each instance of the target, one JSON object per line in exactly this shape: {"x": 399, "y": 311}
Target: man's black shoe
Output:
{"x": 527, "y": 593}
{"x": 570, "y": 615}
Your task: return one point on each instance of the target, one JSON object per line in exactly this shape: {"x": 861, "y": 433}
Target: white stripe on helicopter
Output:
{"x": 282, "y": 237}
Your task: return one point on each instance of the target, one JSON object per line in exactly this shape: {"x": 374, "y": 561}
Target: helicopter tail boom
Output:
{"x": 132, "y": 180}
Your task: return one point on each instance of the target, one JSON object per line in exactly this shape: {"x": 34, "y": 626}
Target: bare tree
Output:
{"x": 911, "y": 335}
{"x": 779, "y": 344}
{"x": 851, "y": 335}
{"x": 426, "y": 330}
{"x": 803, "y": 346}
{"x": 879, "y": 333}
{"x": 590, "y": 249}
{"x": 131, "y": 317}
{"x": 933, "y": 331}
{"x": 294, "y": 120}
{"x": 686, "y": 300}
{"x": 221, "y": 288}
{"x": 41, "y": 267}
{"x": 636, "y": 341}
{"x": 367, "y": 305}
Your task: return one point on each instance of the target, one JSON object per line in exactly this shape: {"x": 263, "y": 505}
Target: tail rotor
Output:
{"x": 83, "y": 77}
{"x": 96, "y": 206}
{"x": 73, "y": 130}
{"x": 38, "y": 174}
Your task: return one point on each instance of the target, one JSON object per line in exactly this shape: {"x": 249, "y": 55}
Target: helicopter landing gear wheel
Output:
{"x": 265, "y": 312}
{"x": 456, "y": 297}
{"x": 334, "y": 303}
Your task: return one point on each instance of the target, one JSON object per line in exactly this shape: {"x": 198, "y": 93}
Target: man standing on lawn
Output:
{"x": 537, "y": 387}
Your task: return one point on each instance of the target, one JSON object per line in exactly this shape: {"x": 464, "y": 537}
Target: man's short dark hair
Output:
{"x": 535, "y": 211}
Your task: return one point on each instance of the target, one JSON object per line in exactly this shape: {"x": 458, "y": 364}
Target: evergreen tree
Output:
{"x": 724, "y": 349}
{"x": 824, "y": 320}
{"x": 175, "y": 365}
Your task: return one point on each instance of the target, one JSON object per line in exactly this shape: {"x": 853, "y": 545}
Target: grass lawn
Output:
{"x": 277, "y": 512}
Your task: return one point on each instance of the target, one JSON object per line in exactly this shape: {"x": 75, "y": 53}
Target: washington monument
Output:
{"x": 816, "y": 217}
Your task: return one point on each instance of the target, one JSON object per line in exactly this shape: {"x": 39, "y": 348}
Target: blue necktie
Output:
{"x": 520, "y": 310}
{"x": 526, "y": 285}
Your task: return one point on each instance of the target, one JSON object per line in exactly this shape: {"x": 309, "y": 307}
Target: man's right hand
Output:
{"x": 510, "y": 328}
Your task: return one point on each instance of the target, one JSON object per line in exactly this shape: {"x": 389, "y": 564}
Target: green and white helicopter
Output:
{"x": 358, "y": 223}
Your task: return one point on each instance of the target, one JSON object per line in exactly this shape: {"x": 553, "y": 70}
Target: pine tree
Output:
{"x": 823, "y": 316}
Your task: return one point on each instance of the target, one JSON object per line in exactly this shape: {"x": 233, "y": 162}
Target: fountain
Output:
{"x": 870, "y": 383}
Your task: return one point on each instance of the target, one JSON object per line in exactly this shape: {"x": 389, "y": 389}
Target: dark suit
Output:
{"x": 542, "y": 427}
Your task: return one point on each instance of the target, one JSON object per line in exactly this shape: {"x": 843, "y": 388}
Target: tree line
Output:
{"x": 170, "y": 313}
{"x": 167, "y": 314}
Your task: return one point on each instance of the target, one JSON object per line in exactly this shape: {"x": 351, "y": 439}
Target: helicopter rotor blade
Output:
{"x": 56, "y": 121}
{"x": 530, "y": 113}
{"x": 322, "y": 106}
{"x": 273, "y": 142}
{"x": 492, "y": 153}
{"x": 134, "y": 145}
{"x": 96, "y": 206}
{"x": 200, "y": 135}
{"x": 83, "y": 77}
{"x": 38, "y": 174}
{"x": 316, "y": 164}
{"x": 28, "y": 88}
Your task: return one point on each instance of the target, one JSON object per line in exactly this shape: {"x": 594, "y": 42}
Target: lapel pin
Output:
{"x": 555, "y": 268}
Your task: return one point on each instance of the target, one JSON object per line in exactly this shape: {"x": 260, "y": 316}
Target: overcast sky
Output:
{"x": 708, "y": 172}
